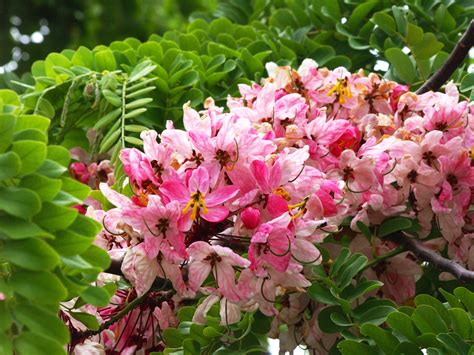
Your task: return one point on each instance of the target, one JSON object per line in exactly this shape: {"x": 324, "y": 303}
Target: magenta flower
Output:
{"x": 197, "y": 198}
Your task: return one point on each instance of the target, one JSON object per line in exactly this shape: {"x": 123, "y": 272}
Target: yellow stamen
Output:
{"x": 342, "y": 89}
{"x": 196, "y": 203}
{"x": 280, "y": 191}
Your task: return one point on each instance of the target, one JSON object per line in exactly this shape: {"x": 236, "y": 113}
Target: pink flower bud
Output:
{"x": 79, "y": 172}
{"x": 250, "y": 217}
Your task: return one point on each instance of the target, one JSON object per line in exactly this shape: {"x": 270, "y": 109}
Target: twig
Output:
{"x": 452, "y": 63}
{"x": 400, "y": 249}
{"x": 130, "y": 306}
{"x": 432, "y": 257}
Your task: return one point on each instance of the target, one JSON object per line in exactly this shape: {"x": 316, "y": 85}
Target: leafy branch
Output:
{"x": 452, "y": 63}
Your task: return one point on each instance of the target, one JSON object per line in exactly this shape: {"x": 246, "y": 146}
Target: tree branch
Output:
{"x": 431, "y": 256}
{"x": 452, "y": 63}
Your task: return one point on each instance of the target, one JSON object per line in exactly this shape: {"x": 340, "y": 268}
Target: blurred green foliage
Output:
{"x": 72, "y": 23}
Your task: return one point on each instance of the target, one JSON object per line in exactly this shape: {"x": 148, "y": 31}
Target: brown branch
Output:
{"x": 432, "y": 257}
{"x": 452, "y": 63}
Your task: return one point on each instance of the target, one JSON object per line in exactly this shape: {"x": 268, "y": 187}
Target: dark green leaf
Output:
{"x": 384, "y": 340}
{"x": 96, "y": 296}
{"x": 29, "y": 343}
{"x": 460, "y": 322}
{"x": 402, "y": 63}
{"x": 393, "y": 225}
{"x": 402, "y": 323}
{"x": 376, "y": 315}
{"x": 39, "y": 286}
{"x": 427, "y": 320}
{"x": 353, "y": 347}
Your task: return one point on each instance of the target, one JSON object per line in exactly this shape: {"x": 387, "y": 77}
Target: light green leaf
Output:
{"x": 17, "y": 228}
{"x": 105, "y": 60}
{"x": 59, "y": 154}
{"x": 45, "y": 187}
{"x": 10, "y": 165}
{"x": 29, "y": 343}
{"x": 7, "y": 127}
{"x": 53, "y": 217}
{"x": 31, "y": 153}
{"x": 385, "y": 22}
{"x": 42, "y": 321}
{"x": 414, "y": 34}
{"x": 75, "y": 188}
{"x": 96, "y": 296}
{"x": 31, "y": 254}
{"x": 87, "y": 319}
{"x": 42, "y": 287}
{"x": 19, "y": 202}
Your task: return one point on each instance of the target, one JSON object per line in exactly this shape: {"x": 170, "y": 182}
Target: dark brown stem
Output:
{"x": 452, "y": 63}
{"x": 432, "y": 257}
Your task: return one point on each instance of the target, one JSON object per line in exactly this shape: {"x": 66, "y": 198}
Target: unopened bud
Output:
{"x": 250, "y": 217}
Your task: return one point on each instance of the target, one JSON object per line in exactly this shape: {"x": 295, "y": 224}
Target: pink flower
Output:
{"x": 197, "y": 198}
{"x": 161, "y": 229}
{"x": 79, "y": 172}
{"x": 220, "y": 260}
{"x": 271, "y": 244}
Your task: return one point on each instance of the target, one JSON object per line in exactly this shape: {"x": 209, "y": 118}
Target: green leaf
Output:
{"x": 29, "y": 343}
{"x": 32, "y": 121}
{"x": 414, "y": 34}
{"x": 186, "y": 313}
{"x": 467, "y": 298}
{"x": 427, "y": 320}
{"x": 407, "y": 348}
{"x": 53, "y": 217}
{"x": 402, "y": 323}
{"x": 354, "y": 347}
{"x": 172, "y": 337}
{"x": 326, "y": 324}
{"x": 7, "y": 127}
{"x": 393, "y": 225}
{"x": 45, "y": 187}
{"x": 453, "y": 342}
{"x": 31, "y": 153}
{"x": 87, "y": 319}
{"x": 452, "y": 300}
{"x": 340, "y": 260}
{"x": 6, "y": 318}
{"x": 359, "y": 13}
{"x": 32, "y": 254}
{"x": 97, "y": 256}
{"x": 376, "y": 315}
{"x": 19, "y": 202}
{"x": 108, "y": 118}
{"x": 467, "y": 82}
{"x": 138, "y": 103}
{"x": 364, "y": 230}
{"x": 141, "y": 70}
{"x": 105, "y": 60}
{"x": 6, "y": 346}
{"x": 321, "y": 294}
{"x": 385, "y": 22}
{"x": 96, "y": 296}
{"x": 403, "y": 65}
{"x": 444, "y": 20}
{"x": 75, "y": 188}
{"x": 10, "y": 165}
{"x": 436, "y": 304}
{"x": 460, "y": 322}
{"x": 17, "y": 228}
{"x": 400, "y": 19}
{"x": 384, "y": 340}
{"x": 363, "y": 287}
{"x": 42, "y": 321}
{"x": 427, "y": 48}
{"x": 112, "y": 98}
{"x": 51, "y": 169}
{"x": 42, "y": 287}
{"x": 351, "y": 268}
{"x": 59, "y": 154}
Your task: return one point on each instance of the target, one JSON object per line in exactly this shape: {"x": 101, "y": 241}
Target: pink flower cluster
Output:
{"x": 233, "y": 205}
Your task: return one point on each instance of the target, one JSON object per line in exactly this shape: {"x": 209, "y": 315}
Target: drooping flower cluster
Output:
{"x": 233, "y": 205}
